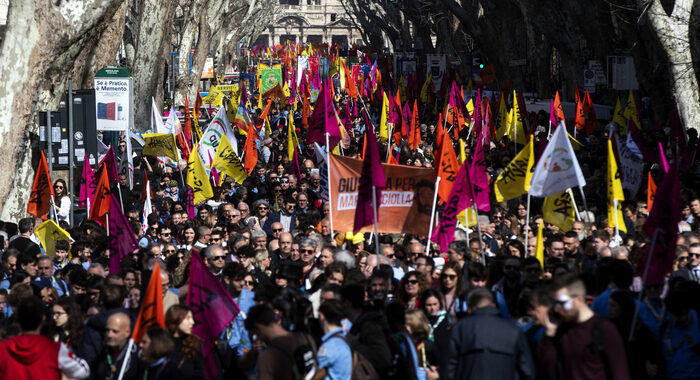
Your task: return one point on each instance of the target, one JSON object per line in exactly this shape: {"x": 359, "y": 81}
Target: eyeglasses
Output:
{"x": 263, "y": 208}
{"x": 306, "y": 250}
{"x": 58, "y": 187}
{"x": 249, "y": 283}
{"x": 414, "y": 282}
{"x": 683, "y": 258}
{"x": 170, "y": 251}
{"x": 694, "y": 255}
{"x": 284, "y": 180}
{"x": 215, "y": 258}
{"x": 276, "y": 230}
{"x": 448, "y": 276}
{"x": 165, "y": 233}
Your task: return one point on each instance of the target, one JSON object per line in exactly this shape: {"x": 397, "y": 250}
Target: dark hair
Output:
{"x": 30, "y": 313}
{"x": 161, "y": 344}
{"x": 478, "y": 295}
{"x": 63, "y": 245}
{"x": 25, "y": 225}
{"x": 354, "y": 294}
{"x": 427, "y": 294}
{"x": 73, "y": 329}
{"x": 112, "y": 296}
{"x": 332, "y": 311}
{"x": 260, "y": 314}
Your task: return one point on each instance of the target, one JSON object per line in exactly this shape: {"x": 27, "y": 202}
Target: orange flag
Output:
{"x": 651, "y": 191}
{"x": 42, "y": 191}
{"x": 391, "y": 159}
{"x": 447, "y": 168}
{"x": 188, "y": 122}
{"x": 580, "y": 112}
{"x": 265, "y": 111}
{"x": 439, "y": 133}
{"x": 591, "y": 118}
{"x": 350, "y": 86}
{"x": 414, "y": 138}
{"x": 151, "y": 311}
{"x": 305, "y": 112}
{"x": 100, "y": 204}
{"x": 557, "y": 107}
{"x": 251, "y": 151}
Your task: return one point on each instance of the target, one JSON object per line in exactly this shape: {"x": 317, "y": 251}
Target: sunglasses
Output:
{"x": 214, "y": 258}
{"x": 306, "y": 251}
{"x": 165, "y": 233}
{"x": 215, "y": 239}
{"x": 413, "y": 282}
{"x": 170, "y": 251}
{"x": 448, "y": 276}
{"x": 249, "y": 283}
{"x": 263, "y": 208}
{"x": 683, "y": 258}
{"x": 277, "y": 230}
{"x": 694, "y": 255}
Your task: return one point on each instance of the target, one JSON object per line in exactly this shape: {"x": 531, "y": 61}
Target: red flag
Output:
{"x": 100, "y": 204}
{"x": 461, "y": 197}
{"x": 455, "y": 109}
{"x": 651, "y": 191}
{"x": 122, "y": 241}
{"x": 109, "y": 163}
{"x": 197, "y": 105}
{"x": 350, "y": 86}
{"x": 372, "y": 179}
{"x": 558, "y": 109}
{"x": 480, "y": 178}
{"x": 580, "y": 119}
{"x": 323, "y": 120}
{"x": 42, "y": 191}
{"x": 212, "y": 308}
{"x": 591, "y": 118}
{"x": 662, "y": 223}
{"x": 188, "y": 124}
{"x": 251, "y": 150}
{"x": 151, "y": 311}
{"x": 448, "y": 166}
{"x": 405, "y": 120}
{"x": 305, "y": 111}
{"x": 414, "y": 138}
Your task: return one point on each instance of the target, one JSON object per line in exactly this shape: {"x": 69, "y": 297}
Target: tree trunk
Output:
{"x": 152, "y": 49}
{"x": 191, "y": 37}
{"x": 37, "y": 53}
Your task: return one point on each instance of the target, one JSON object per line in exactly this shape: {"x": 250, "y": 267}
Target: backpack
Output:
{"x": 303, "y": 359}
{"x": 362, "y": 369}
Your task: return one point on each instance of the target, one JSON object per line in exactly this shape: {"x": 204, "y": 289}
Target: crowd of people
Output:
{"x": 320, "y": 303}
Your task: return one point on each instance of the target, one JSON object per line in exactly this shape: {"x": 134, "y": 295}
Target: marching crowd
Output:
{"x": 318, "y": 303}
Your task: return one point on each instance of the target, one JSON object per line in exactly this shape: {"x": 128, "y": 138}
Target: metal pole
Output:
{"x": 644, "y": 280}
{"x": 49, "y": 143}
{"x": 432, "y": 217}
{"x": 617, "y": 221}
{"x": 478, "y": 230}
{"x": 330, "y": 198}
{"x": 573, "y": 202}
{"x": 374, "y": 211}
{"x": 71, "y": 154}
{"x": 527, "y": 222}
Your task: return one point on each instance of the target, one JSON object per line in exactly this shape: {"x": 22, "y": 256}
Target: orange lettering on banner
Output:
{"x": 405, "y": 203}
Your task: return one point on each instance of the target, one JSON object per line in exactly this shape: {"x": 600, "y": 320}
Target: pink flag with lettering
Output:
{"x": 663, "y": 221}
{"x": 212, "y": 308}
{"x": 479, "y": 177}
{"x": 461, "y": 197}
{"x": 122, "y": 241}
{"x": 89, "y": 184}
{"x": 372, "y": 178}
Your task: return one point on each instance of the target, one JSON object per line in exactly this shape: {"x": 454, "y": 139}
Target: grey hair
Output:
{"x": 345, "y": 257}
{"x": 308, "y": 242}
{"x": 254, "y": 234}
{"x": 98, "y": 265}
{"x": 483, "y": 219}
{"x": 208, "y": 251}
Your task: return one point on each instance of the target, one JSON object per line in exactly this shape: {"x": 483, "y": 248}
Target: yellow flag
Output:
{"x": 160, "y": 145}
{"x": 197, "y": 178}
{"x": 48, "y": 232}
{"x": 614, "y": 192}
{"x": 286, "y": 90}
{"x": 226, "y": 160}
{"x": 516, "y": 129}
{"x": 462, "y": 152}
{"x": 467, "y": 213}
{"x": 402, "y": 90}
{"x": 231, "y": 109}
{"x": 383, "y": 127}
{"x": 268, "y": 128}
{"x": 539, "y": 245}
{"x": 342, "y": 73}
{"x": 619, "y": 118}
{"x": 559, "y": 210}
{"x": 503, "y": 123}
{"x": 214, "y": 97}
{"x": 425, "y": 90}
{"x": 470, "y": 107}
{"x": 631, "y": 110}
{"x": 292, "y": 141}
{"x": 574, "y": 143}
{"x": 514, "y": 180}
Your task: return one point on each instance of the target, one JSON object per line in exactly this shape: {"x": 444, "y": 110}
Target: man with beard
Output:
{"x": 588, "y": 346}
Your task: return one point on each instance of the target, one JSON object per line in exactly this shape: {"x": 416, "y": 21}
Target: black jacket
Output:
{"x": 369, "y": 336}
{"x": 485, "y": 346}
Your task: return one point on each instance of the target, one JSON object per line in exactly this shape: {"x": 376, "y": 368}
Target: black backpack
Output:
{"x": 362, "y": 369}
{"x": 303, "y": 358}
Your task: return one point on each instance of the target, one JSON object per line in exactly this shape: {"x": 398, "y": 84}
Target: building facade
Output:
{"x": 311, "y": 21}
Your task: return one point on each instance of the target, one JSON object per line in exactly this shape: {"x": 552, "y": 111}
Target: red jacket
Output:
{"x": 34, "y": 357}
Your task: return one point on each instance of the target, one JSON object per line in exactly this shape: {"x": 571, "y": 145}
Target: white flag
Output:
{"x": 557, "y": 169}
{"x": 147, "y": 208}
{"x": 157, "y": 125}
{"x": 631, "y": 164}
{"x": 212, "y": 136}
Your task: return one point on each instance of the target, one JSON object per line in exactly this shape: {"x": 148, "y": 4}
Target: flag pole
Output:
{"x": 374, "y": 211}
{"x": 88, "y": 206}
{"x": 573, "y": 202}
{"x": 107, "y": 222}
{"x": 617, "y": 221}
{"x": 527, "y": 222}
{"x": 121, "y": 203}
{"x": 482, "y": 257}
{"x": 585, "y": 207}
{"x": 127, "y": 357}
{"x": 644, "y": 280}
{"x": 330, "y": 202}
{"x": 432, "y": 216}
{"x": 388, "y": 140}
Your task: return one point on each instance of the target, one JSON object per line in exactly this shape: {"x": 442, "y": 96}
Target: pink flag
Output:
{"x": 663, "y": 220}
{"x": 461, "y": 197}
{"x": 477, "y": 114}
{"x": 664, "y": 162}
{"x": 89, "y": 184}
{"x": 406, "y": 120}
{"x": 323, "y": 120}
{"x": 552, "y": 113}
{"x": 122, "y": 240}
{"x": 244, "y": 94}
{"x": 480, "y": 178}
{"x": 212, "y": 308}
{"x": 109, "y": 162}
{"x": 394, "y": 111}
{"x": 372, "y": 178}
{"x": 189, "y": 202}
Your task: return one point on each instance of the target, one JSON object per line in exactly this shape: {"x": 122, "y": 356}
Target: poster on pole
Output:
{"x": 436, "y": 66}
{"x": 113, "y": 99}
{"x": 405, "y": 203}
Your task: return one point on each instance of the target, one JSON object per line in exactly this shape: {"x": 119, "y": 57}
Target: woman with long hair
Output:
{"x": 158, "y": 353}
{"x": 179, "y": 322}
{"x": 189, "y": 237}
{"x": 62, "y": 201}
{"x": 419, "y": 329}
{"x": 451, "y": 287}
{"x": 412, "y": 285}
{"x": 67, "y": 322}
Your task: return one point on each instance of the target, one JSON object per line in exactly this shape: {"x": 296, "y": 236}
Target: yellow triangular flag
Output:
{"x": 197, "y": 178}
{"x": 292, "y": 141}
{"x": 467, "y": 213}
{"x": 227, "y": 161}
{"x": 619, "y": 118}
{"x": 502, "y": 127}
{"x": 48, "y": 232}
{"x": 383, "y": 126}
{"x": 539, "y": 245}
{"x": 514, "y": 180}
{"x": 631, "y": 110}
{"x": 559, "y": 210}
{"x": 615, "y": 192}
{"x": 160, "y": 145}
